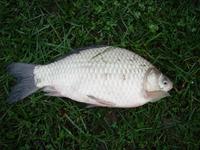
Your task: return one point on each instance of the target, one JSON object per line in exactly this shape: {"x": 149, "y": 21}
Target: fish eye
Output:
{"x": 165, "y": 82}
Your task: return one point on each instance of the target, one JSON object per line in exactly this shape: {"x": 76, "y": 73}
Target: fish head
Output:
{"x": 156, "y": 81}
{"x": 164, "y": 83}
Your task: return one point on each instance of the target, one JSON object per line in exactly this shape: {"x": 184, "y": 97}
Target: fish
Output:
{"x": 101, "y": 76}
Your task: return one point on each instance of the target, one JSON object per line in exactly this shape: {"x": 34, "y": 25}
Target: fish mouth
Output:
{"x": 171, "y": 86}
{"x": 167, "y": 94}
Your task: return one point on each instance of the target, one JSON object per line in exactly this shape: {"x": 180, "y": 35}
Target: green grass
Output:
{"x": 167, "y": 33}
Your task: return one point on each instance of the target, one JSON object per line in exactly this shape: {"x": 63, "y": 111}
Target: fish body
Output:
{"x": 103, "y": 76}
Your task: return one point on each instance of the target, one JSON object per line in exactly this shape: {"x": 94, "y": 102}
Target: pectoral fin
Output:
{"x": 154, "y": 96}
{"x": 101, "y": 102}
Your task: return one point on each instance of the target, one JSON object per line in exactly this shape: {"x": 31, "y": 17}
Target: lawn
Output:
{"x": 165, "y": 32}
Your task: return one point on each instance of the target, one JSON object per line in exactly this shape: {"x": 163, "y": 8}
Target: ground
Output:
{"x": 167, "y": 33}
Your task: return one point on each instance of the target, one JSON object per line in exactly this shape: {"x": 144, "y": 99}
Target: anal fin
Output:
{"x": 51, "y": 91}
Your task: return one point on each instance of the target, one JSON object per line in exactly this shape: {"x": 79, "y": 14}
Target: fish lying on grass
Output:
{"x": 103, "y": 76}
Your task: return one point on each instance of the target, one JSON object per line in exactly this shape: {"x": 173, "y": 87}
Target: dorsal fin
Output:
{"x": 78, "y": 50}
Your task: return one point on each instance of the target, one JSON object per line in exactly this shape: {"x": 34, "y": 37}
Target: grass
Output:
{"x": 167, "y": 33}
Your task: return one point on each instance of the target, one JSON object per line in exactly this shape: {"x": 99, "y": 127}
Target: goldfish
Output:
{"x": 102, "y": 76}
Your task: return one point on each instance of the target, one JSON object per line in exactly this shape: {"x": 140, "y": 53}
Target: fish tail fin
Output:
{"x": 25, "y": 81}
